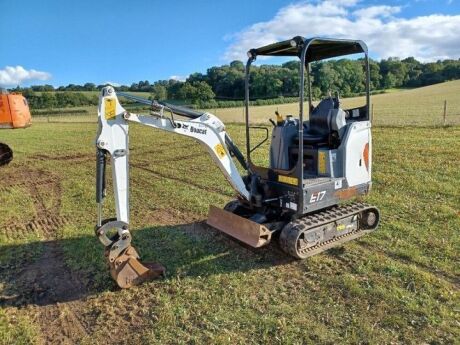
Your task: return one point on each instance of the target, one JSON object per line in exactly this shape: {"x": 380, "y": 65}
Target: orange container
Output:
{"x": 14, "y": 111}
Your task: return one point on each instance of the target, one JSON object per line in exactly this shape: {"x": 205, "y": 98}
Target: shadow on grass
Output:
{"x": 64, "y": 270}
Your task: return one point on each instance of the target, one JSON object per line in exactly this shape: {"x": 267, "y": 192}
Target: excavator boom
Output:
{"x": 112, "y": 141}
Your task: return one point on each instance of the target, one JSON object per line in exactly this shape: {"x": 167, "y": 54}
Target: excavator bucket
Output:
{"x": 127, "y": 270}
{"x": 6, "y": 154}
{"x": 254, "y": 234}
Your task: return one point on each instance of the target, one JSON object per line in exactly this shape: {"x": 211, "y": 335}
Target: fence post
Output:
{"x": 445, "y": 113}
{"x": 372, "y": 113}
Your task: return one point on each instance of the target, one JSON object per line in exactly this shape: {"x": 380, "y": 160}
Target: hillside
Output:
{"x": 420, "y": 106}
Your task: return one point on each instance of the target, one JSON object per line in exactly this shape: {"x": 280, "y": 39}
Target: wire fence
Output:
{"x": 418, "y": 114}
{"x": 425, "y": 113}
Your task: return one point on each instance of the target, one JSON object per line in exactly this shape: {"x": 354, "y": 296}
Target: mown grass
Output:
{"x": 16, "y": 329}
{"x": 398, "y": 285}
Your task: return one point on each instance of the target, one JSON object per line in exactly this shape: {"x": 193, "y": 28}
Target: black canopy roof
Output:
{"x": 318, "y": 48}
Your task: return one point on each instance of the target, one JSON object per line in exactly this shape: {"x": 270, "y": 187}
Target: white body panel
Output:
{"x": 113, "y": 137}
{"x": 355, "y": 168}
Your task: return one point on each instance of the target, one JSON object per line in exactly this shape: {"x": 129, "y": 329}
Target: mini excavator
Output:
{"x": 317, "y": 169}
{"x": 14, "y": 113}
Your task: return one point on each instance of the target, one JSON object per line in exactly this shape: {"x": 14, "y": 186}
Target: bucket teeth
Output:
{"x": 127, "y": 270}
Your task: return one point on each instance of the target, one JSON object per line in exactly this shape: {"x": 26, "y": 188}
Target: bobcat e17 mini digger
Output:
{"x": 315, "y": 165}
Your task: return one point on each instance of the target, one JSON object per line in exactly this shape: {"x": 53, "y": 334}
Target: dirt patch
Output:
{"x": 25, "y": 177}
{"x": 55, "y": 294}
{"x": 47, "y": 225}
{"x": 48, "y": 280}
{"x": 61, "y": 325}
{"x": 45, "y": 191}
{"x": 72, "y": 157}
{"x": 46, "y": 285}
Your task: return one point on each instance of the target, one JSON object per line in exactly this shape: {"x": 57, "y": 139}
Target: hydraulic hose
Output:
{"x": 182, "y": 111}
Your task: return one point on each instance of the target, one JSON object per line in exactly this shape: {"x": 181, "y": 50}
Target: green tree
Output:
{"x": 89, "y": 87}
{"x": 203, "y": 92}
{"x": 389, "y": 81}
{"x": 159, "y": 92}
{"x": 239, "y": 65}
{"x": 375, "y": 76}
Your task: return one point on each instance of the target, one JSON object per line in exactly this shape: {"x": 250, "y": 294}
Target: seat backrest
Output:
{"x": 320, "y": 116}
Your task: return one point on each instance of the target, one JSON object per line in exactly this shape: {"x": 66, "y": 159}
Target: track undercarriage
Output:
{"x": 326, "y": 229}
{"x": 303, "y": 237}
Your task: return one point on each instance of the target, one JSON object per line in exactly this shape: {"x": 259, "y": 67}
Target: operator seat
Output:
{"x": 319, "y": 128}
{"x": 325, "y": 129}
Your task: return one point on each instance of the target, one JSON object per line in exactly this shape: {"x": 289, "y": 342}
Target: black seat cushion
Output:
{"x": 312, "y": 139}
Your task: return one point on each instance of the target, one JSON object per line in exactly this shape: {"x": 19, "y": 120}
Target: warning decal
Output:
{"x": 288, "y": 179}
{"x": 322, "y": 162}
{"x": 110, "y": 108}
{"x": 220, "y": 151}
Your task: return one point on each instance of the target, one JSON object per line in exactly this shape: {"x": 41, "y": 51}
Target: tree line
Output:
{"x": 224, "y": 85}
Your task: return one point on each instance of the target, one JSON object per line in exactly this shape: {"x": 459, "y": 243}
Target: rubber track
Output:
{"x": 290, "y": 233}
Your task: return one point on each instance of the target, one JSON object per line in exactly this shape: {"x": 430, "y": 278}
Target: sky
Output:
{"x": 60, "y": 42}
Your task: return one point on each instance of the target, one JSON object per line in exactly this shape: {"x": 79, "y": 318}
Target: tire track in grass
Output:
{"x": 47, "y": 225}
{"x": 47, "y": 284}
{"x": 47, "y": 220}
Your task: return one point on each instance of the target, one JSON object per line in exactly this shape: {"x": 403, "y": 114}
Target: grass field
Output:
{"x": 415, "y": 107}
{"x": 399, "y": 285}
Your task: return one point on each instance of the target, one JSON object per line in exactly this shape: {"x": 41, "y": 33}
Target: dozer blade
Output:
{"x": 245, "y": 230}
{"x": 6, "y": 154}
{"x": 127, "y": 270}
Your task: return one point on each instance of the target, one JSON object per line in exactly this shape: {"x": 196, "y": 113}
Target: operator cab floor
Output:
{"x": 310, "y": 181}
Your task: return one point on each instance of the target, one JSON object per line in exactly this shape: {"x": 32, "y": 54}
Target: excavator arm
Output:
{"x": 113, "y": 141}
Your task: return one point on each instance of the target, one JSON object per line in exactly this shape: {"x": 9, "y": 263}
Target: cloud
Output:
{"x": 427, "y": 38}
{"x": 178, "y": 77}
{"x": 12, "y": 76}
{"x": 377, "y": 11}
{"x": 112, "y": 83}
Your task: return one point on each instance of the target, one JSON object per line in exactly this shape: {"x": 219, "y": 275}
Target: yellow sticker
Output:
{"x": 340, "y": 227}
{"x": 110, "y": 108}
{"x": 322, "y": 162}
{"x": 220, "y": 150}
{"x": 288, "y": 179}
